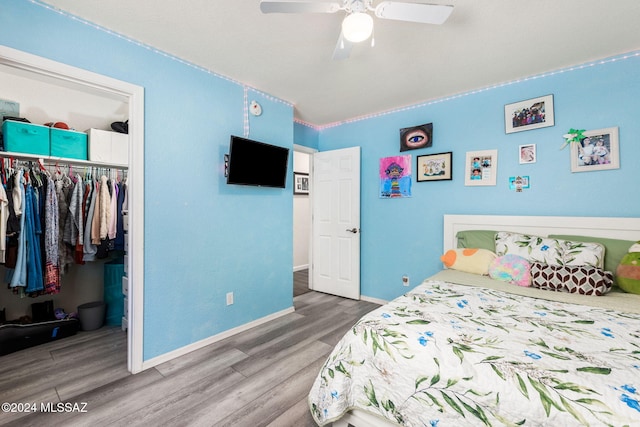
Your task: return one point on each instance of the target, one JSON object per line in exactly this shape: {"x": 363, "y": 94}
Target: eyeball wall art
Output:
{"x": 416, "y": 137}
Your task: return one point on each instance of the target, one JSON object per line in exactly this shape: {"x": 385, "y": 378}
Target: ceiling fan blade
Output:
{"x": 343, "y": 48}
{"x": 297, "y": 6}
{"x": 414, "y": 12}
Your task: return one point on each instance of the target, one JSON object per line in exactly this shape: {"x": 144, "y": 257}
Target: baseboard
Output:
{"x": 213, "y": 339}
{"x": 373, "y": 300}
{"x": 301, "y": 267}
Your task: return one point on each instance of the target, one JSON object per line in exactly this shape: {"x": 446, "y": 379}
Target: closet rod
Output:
{"x": 54, "y": 160}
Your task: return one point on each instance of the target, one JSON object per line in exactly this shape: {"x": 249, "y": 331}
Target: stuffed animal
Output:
{"x": 469, "y": 260}
{"x": 628, "y": 271}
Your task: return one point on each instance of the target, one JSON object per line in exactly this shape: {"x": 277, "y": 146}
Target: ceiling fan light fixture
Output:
{"x": 357, "y": 27}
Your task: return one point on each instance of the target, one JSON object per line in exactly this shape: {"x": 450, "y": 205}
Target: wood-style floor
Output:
{"x": 300, "y": 282}
{"x": 260, "y": 377}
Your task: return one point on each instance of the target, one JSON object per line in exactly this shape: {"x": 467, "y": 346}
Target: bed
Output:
{"x": 463, "y": 349}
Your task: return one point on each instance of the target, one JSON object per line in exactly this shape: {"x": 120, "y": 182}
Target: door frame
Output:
{"x": 310, "y": 152}
{"x": 67, "y": 75}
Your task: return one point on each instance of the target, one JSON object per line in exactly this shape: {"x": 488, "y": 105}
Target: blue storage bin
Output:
{"x": 68, "y": 144}
{"x": 113, "y": 297}
{"x": 21, "y": 137}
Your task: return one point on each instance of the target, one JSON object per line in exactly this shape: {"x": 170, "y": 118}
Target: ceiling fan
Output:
{"x": 357, "y": 25}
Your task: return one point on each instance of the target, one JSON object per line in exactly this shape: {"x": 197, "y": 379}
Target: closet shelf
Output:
{"x": 52, "y": 160}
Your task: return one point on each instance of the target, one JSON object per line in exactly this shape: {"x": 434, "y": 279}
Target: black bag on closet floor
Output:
{"x": 14, "y": 337}
{"x": 42, "y": 311}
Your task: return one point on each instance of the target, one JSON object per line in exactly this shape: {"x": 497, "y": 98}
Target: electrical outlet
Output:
{"x": 405, "y": 280}
{"x": 229, "y": 298}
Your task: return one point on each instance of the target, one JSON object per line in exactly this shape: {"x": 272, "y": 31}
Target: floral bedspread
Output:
{"x": 454, "y": 355}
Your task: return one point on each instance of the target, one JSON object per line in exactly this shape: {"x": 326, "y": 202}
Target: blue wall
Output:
{"x": 404, "y": 236}
{"x": 305, "y": 135}
{"x": 203, "y": 238}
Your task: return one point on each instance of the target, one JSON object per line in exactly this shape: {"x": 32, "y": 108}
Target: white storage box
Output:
{"x": 108, "y": 147}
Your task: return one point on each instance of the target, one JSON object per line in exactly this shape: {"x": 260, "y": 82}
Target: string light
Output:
{"x": 245, "y": 111}
{"x": 629, "y": 55}
{"x": 473, "y": 92}
{"x": 159, "y": 52}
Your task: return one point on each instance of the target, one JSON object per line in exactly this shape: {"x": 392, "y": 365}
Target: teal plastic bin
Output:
{"x": 21, "y": 137}
{"x": 113, "y": 296}
{"x": 68, "y": 144}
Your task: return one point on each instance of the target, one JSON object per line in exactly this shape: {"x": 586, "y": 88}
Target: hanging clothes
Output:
{"x": 73, "y": 230}
{"x": 113, "y": 211}
{"x": 13, "y": 228}
{"x": 105, "y": 208}
{"x": 32, "y": 233}
{"x": 89, "y": 247}
{"x": 46, "y": 220}
{"x": 64, "y": 187}
{"x": 18, "y": 276}
{"x": 51, "y": 247}
{"x": 4, "y": 218}
{"x": 119, "y": 240}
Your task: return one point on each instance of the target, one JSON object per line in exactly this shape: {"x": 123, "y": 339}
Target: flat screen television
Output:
{"x": 256, "y": 163}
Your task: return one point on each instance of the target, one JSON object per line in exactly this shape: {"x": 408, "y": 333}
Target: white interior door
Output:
{"x": 335, "y": 253}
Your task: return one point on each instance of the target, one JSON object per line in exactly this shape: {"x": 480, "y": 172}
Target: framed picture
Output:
{"x": 527, "y": 153}
{"x": 395, "y": 177}
{"x": 530, "y": 114}
{"x": 518, "y": 183}
{"x": 481, "y": 168}
{"x": 416, "y": 137}
{"x": 434, "y": 167}
{"x": 300, "y": 183}
{"x": 599, "y": 150}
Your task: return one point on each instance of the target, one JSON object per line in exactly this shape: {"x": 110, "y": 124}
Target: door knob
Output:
{"x": 353, "y": 230}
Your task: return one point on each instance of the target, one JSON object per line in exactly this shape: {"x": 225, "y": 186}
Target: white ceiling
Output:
{"x": 484, "y": 42}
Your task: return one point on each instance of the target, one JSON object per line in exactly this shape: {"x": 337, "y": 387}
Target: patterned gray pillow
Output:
{"x": 584, "y": 279}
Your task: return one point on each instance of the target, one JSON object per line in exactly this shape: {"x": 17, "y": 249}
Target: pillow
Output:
{"x": 531, "y": 248}
{"x": 511, "y": 268}
{"x": 582, "y": 253}
{"x": 614, "y": 249}
{"x": 482, "y": 239}
{"x": 473, "y": 260}
{"x": 546, "y": 250}
{"x": 585, "y": 280}
{"x": 628, "y": 271}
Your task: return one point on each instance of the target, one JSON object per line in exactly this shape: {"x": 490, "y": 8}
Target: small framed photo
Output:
{"x": 416, "y": 137}
{"x": 527, "y": 153}
{"x": 518, "y": 183}
{"x": 598, "y": 150}
{"x": 300, "y": 183}
{"x": 434, "y": 167}
{"x": 481, "y": 168}
{"x": 530, "y": 114}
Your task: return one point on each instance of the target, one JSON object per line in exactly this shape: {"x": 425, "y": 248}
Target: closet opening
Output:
{"x": 50, "y": 91}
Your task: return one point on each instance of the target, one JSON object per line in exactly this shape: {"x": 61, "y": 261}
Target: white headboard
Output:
{"x": 614, "y": 228}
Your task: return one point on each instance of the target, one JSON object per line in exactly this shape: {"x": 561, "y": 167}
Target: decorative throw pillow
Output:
{"x": 532, "y": 248}
{"x": 550, "y": 251}
{"x": 628, "y": 272}
{"x": 585, "y": 280}
{"x": 511, "y": 268}
{"x": 582, "y": 253}
{"x": 468, "y": 260}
